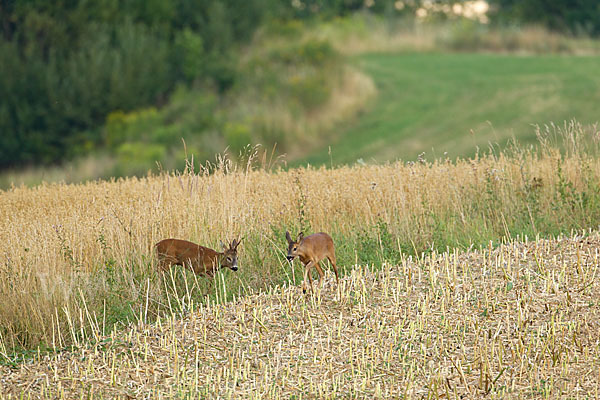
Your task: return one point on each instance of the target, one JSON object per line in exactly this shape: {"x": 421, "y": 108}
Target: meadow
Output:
{"x": 465, "y": 223}
{"x": 449, "y": 287}
{"x": 452, "y": 104}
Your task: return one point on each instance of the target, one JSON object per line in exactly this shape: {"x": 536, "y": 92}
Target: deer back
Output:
{"x": 317, "y": 245}
{"x": 200, "y": 259}
{"x": 313, "y": 247}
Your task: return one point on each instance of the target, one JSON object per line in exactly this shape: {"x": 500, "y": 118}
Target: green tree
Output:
{"x": 67, "y": 64}
{"x": 570, "y": 16}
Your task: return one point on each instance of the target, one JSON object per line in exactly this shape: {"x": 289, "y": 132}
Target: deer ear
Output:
{"x": 223, "y": 245}
{"x": 288, "y": 237}
{"x": 300, "y": 236}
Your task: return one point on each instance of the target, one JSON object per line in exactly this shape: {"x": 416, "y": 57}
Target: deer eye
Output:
{"x": 229, "y": 259}
{"x": 295, "y": 248}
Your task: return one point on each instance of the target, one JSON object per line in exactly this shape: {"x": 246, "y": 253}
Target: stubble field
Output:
{"x": 517, "y": 321}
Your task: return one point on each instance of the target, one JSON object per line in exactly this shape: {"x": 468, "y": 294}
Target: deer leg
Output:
{"x": 164, "y": 263}
{"x": 307, "y": 268}
{"x": 332, "y": 261}
{"x": 321, "y": 273}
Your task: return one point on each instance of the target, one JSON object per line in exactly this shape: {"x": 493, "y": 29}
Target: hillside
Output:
{"x": 354, "y": 88}
{"x": 450, "y": 104}
{"x": 517, "y": 321}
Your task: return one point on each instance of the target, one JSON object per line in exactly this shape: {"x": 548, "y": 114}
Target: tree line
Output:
{"x": 66, "y": 64}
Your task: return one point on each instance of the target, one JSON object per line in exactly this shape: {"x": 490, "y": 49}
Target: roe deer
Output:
{"x": 312, "y": 250}
{"x": 200, "y": 259}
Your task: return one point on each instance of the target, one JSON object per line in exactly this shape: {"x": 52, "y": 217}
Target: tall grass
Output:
{"x": 364, "y": 33}
{"x": 77, "y": 259}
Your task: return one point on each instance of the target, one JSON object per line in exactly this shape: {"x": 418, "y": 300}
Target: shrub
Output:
{"x": 136, "y": 157}
{"x": 237, "y": 136}
{"x": 189, "y": 48}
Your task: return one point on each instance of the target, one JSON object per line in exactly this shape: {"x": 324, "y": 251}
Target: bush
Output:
{"x": 465, "y": 34}
{"x": 310, "y": 90}
{"x": 237, "y": 136}
{"x": 290, "y": 29}
{"x": 189, "y": 48}
{"x": 134, "y": 126}
{"x": 135, "y": 158}
{"x": 567, "y": 16}
{"x": 143, "y": 137}
{"x": 313, "y": 52}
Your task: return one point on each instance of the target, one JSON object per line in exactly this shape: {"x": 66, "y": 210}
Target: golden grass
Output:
{"x": 77, "y": 256}
{"x": 517, "y": 321}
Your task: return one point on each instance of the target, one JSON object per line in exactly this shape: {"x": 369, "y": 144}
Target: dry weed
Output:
{"x": 66, "y": 250}
{"x": 517, "y": 321}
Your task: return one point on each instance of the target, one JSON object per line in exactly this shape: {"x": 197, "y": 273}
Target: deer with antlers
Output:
{"x": 200, "y": 259}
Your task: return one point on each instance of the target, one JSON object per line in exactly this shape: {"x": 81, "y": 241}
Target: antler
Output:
{"x": 236, "y": 243}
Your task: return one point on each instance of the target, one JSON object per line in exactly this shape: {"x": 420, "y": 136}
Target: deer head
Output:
{"x": 229, "y": 258}
{"x": 293, "y": 245}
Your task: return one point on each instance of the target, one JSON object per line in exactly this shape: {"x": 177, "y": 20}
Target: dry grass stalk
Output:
{"x": 65, "y": 248}
{"x": 511, "y": 322}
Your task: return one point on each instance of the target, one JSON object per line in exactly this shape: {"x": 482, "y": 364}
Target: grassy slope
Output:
{"x": 425, "y": 101}
{"x": 519, "y": 321}
{"x": 434, "y": 100}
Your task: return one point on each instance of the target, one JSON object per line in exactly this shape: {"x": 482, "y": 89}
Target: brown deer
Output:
{"x": 200, "y": 259}
{"x": 311, "y": 250}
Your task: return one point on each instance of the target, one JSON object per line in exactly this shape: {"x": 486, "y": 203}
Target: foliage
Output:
{"x": 574, "y": 17}
{"x": 237, "y": 135}
{"x": 67, "y": 69}
{"x": 298, "y": 77}
{"x": 146, "y": 136}
{"x": 65, "y": 66}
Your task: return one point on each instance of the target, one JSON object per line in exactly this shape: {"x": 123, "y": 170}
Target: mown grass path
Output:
{"x": 517, "y": 321}
{"x": 436, "y": 103}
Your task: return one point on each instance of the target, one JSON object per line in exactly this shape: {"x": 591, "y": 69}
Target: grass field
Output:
{"x": 85, "y": 313}
{"x": 517, "y": 321}
{"x": 455, "y": 103}
{"x": 75, "y": 257}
